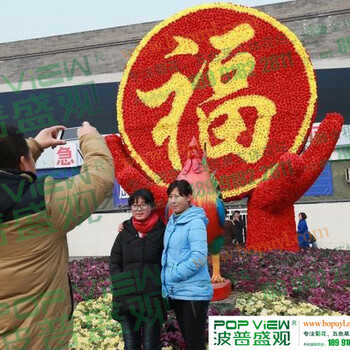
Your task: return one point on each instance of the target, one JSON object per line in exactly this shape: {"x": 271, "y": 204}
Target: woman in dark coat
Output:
{"x": 238, "y": 227}
{"x": 135, "y": 267}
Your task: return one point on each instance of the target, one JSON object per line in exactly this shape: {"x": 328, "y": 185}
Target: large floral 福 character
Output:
{"x": 245, "y": 89}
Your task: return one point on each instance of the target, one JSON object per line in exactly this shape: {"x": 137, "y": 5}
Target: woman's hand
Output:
{"x": 120, "y": 227}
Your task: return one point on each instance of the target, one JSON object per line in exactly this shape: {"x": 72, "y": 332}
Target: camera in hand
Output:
{"x": 68, "y": 134}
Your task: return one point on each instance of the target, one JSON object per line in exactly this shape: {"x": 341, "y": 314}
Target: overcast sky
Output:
{"x": 29, "y": 19}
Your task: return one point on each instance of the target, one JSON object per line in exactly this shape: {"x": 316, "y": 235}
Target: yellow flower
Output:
{"x": 249, "y": 310}
{"x": 263, "y": 312}
{"x": 293, "y": 311}
{"x": 259, "y": 304}
{"x": 279, "y": 309}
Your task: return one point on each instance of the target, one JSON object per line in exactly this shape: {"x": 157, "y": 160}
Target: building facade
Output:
{"x": 71, "y": 78}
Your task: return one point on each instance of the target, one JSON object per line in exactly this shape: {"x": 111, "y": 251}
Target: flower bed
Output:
{"x": 95, "y": 329}
{"x": 313, "y": 282}
{"x": 320, "y": 277}
{"x": 89, "y": 277}
{"x": 269, "y": 304}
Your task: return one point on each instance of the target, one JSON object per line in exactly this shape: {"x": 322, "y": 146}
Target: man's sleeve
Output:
{"x": 34, "y": 148}
{"x": 72, "y": 201}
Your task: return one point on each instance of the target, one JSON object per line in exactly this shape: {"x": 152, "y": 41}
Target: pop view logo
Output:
{"x": 270, "y": 324}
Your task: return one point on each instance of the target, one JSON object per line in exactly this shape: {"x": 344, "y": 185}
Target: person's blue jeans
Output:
{"x": 147, "y": 335}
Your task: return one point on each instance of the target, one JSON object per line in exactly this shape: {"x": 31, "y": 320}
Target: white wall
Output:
{"x": 331, "y": 217}
{"x": 95, "y": 238}
{"x": 329, "y": 222}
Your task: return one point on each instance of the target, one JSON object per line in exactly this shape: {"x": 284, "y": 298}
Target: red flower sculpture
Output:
{"x": 242, "y": 84}
{"x": 271, "y": 205}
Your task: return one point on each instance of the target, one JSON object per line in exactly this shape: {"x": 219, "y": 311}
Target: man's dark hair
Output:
{"x": 237, "y": 211}
{"x": 144, "y": 194}
{"x": 303, "y": 216}
{"x": 182, "y": 186}
{"x": 12, "y": 146}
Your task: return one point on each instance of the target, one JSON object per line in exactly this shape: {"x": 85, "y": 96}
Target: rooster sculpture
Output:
{"x": 206, "y": 194}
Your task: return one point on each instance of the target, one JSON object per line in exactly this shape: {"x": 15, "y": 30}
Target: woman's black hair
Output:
{"x": 182, "y": 186}
{"x": 303, "y": 215}
{"x": 143, "y": 193}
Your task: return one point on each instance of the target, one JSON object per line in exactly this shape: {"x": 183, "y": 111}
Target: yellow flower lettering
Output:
{"x": 226, "y": 43}
{"x": 234, "y": 126}
{"x": 167, "y": 127}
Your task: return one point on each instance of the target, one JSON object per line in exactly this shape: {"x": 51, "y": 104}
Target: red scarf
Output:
{"x": 145, "y": 226}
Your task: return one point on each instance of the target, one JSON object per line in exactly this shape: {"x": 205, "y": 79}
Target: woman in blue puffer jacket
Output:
{"x": 185, "y": 276}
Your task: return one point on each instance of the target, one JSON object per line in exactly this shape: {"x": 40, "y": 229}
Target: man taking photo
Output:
{"x": 35, "y": 216}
